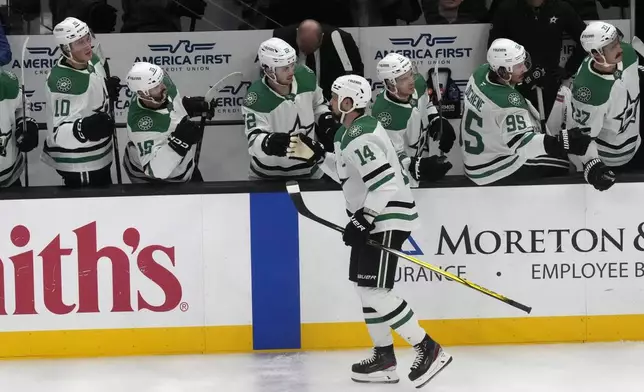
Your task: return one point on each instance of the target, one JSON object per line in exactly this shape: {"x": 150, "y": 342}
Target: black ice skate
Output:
{"x": 430, "y": 360}
{"x": 380, "y": 368}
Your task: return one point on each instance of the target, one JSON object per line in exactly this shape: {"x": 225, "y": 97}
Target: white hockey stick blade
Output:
{"x": 233, "y": 78}
{"x": 638, "y": 45}
{"x": 22, "y": 66}
{"x": 437, "y": 84}
{"x": 292, "y": 187}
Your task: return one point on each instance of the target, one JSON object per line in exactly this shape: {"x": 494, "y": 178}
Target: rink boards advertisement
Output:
{"x": 243, "y": 272}
{"x": 196, "y": 61}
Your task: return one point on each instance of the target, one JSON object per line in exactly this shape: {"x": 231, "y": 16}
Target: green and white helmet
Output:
{"x": 597, "y": 35}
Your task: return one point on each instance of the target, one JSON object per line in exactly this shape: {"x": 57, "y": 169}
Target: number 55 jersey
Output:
{"x": 500, "y": 130}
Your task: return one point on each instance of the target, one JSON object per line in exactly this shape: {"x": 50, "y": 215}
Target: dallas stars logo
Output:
{"x": 355, "y": 130}
{"x": 629, "y": 115}
{"x": 250, "y": 98}
{"x": 583, "y": 94}
{"x": 384, "y": 118}
{"x": 64, "y": 84}
{"x": 298, "y": 128}
{"x": 413, "y": 102}
{"x": 515, "y": 99}
{"x": 145, "y": 123}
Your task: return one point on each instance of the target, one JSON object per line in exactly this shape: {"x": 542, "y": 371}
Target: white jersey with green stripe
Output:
{"x": 12, "y": 161}
{"x": 148, "y": 157}
{"x": 266, "y": 112}
{"x": 500, "y": 130}
{"x": 609, "y": 105}
{"x": 406, "y": 123}
{"x": 74, "y": 94}
{"x": 366, "y": 164}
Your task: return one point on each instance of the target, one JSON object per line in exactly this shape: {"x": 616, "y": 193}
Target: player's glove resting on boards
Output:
{"x": 447, "y": 137}
{"x": 572, "y": 141}
{"x": 26, "y": 134}
{"x": 429, "y": 168}
{"x": 599, "y": 175}
{"x": 184, "y": 136}
{"x": 304, "y": 148}
{"x": 275, "y": 144}
{"x": 93, "y": 128}
{"x": 356, "y": 233}
{"x": 196, "y": 106}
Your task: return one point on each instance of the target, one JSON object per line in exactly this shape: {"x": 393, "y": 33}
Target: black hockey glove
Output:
{"x": 326, "y": 129}
{"x": 572, "y": 141}
{"x": 185, "y": 136}
{"x": 535, "y": 77}
{"x": 26, "y": 134}
{"x": 447, "y": 137}
{"x": 599, "y": 175}
{"x": 196, "y": 106}
{"x": 430, "y": 168}
{"x": 275, "y": 144}
{"x": 93, "y": 128}
{"x": 113, "y": 84}
{"x": 356, "y": 233}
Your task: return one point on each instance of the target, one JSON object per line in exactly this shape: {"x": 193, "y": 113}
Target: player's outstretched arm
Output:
{"x": 306, "y": 149}
{"x": 263, "y": 141}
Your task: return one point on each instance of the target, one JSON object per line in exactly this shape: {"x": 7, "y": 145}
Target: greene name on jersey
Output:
{"x": 406, "y": 123}
{"x": 500, "y": 130}
{"x": 75, "y": 94}
{"x": 609, "y": 105}
{"x": 366, "y": 164}
{"x": 148, "y": 157}
{"x": 266, "y": 112}
{"x": 12, "y": 161}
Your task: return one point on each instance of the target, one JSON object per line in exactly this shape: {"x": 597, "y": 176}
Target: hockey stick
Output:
{"x": 542, "y": 114}
{"x": 638, "y": 45}
{"x": 115, "y": 140}
{"x": 439, "y": 99}
{"x": 233, "y": 78}
{"x": 24, "y": 105}
{"x": 293, "y": 189}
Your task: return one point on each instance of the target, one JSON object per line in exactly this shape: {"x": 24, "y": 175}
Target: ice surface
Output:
{"x": 543, "y": 368}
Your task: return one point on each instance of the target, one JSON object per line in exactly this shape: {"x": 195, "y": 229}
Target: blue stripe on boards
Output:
{"x": 275, "y": 271}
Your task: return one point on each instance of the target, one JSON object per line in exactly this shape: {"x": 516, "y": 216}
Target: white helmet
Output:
{"x": 355, "y": 87}
{"x": 506, "y": 54}
{"x": 597, "y": 35}
{"x": 70, "y": 30}
{"x": 392, "y": 66}
{"x": 274, "y": 53}
{"x": 143, "y": 77}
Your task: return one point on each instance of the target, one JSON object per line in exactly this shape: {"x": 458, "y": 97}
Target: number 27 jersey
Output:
{"x": 500, "y": 129}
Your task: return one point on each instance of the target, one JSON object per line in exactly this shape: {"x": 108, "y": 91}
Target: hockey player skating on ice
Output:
{"x": 606, "y": 98}
{"x": 18, "y": 134}
{"x": 501, "y": 137}
{"x": 405, "y": 111}
{"x": 162, "y": 140}
{"x": 286, "y": 101}
{"x": 382, "y": 208}
{"x": 79, "y": 142}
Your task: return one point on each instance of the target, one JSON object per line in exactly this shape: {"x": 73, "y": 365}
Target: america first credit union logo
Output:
{"x": 38, "y": 59}
{"x": 185, "y": 55}
{"x": 425, "y": 47}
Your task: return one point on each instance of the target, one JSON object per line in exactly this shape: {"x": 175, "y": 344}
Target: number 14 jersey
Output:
{"x": 500, "y": 129}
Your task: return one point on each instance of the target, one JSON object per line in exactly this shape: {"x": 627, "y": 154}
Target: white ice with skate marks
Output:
{"x": 552, "y": 368}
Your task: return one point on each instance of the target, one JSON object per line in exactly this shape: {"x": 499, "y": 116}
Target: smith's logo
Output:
{"x": 43, "y": 50}
{"x": 426, "y": 37}
{"x": 188, "y": 46}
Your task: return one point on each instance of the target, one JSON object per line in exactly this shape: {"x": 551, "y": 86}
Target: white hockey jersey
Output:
{"x": 267, "y": 112}
{"x": 75, "y": 94}
{"x": 366, "y": 164}
{"x": 609, "y": 105}
{"x": 500, "y": 130}
{"x": 406, "y": 123}
{"x": 148, "y": 157}
{"x": 12, "y": 160}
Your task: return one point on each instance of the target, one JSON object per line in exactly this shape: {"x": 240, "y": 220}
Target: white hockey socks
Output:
{"x": 380, "y": 332}
{"x": 391, "y": 312}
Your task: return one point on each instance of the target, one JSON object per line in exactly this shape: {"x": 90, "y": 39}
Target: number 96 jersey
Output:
{"x": 500, "y": 129}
